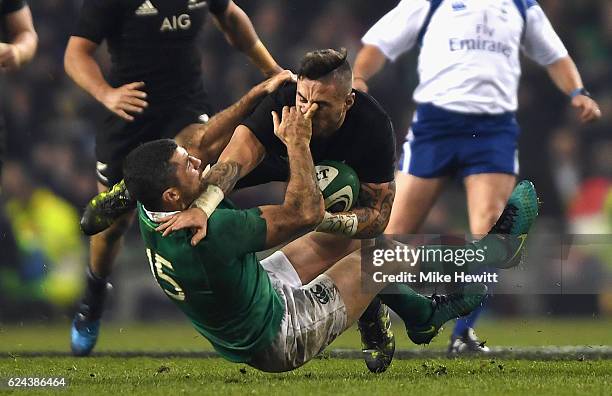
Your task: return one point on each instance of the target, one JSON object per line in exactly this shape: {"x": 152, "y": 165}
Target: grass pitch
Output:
{"x": 140, "y": 376}
{"x": 186, "y": 375}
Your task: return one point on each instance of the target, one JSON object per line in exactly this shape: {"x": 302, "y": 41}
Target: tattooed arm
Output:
{"x": 369, "y": 219}
{"x": 208, "y": 141}
{"x": 243, "y": 153}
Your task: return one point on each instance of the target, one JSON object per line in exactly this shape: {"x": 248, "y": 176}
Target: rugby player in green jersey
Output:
{"x": 269, "y": 314}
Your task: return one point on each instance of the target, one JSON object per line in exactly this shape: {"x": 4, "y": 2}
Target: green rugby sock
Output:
{"x": 411, "y": 306}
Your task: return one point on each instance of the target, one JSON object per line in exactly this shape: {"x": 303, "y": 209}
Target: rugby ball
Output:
{"x": 339, "y": 185}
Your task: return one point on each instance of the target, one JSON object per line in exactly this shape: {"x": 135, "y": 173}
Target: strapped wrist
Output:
{"x": 341, "y": 224}
{"x": 209, "y": 199}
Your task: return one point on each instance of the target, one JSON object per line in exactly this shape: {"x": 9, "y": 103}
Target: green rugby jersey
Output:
{"x": 219, "y": 284}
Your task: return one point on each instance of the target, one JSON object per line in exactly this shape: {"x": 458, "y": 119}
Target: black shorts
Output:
{"x": 118, "y": 137}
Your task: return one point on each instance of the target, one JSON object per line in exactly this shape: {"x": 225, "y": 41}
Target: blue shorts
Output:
{"x": 445, "y": 143}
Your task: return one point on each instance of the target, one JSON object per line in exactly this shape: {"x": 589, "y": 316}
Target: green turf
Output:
{"x": 139, "y": 376}
{"x": 151, "y": 376}
{"x": 181, "y": 336}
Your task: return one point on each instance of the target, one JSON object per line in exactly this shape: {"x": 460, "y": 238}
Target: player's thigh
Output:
{"x": 347, "y": 275}
{"x": 414, "y": 198}
{"x": 487, "y": 194}
{"x": 313, "y": 253}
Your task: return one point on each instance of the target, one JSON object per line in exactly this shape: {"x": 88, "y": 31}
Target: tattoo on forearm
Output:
{"x": 375, "y": 209}
{"x": 305, "y": 193}
{"x": 223, "y": 175}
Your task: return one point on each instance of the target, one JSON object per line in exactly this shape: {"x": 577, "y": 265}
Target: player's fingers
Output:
{"x": 275, "y": 121}
{"x": 286, "y": 112}
{"x": 584, "y": 112}
{"x": 180, "y": 223}
{"x": 591, "y": 114}
{"x": 311, "y": 111}
{"x": 167, "y": 226}
{"x": 137, "y": 94}
{"x": 135, "y": 85}
{"x": 597, "y": 113}
{"x": 162, "y": 226}
{"x": 136, "y": 102}
{"x": 131, "y": 108}
{"x": 168, "y": 231}
{"x": 166, "y": 219}
{"x": 198, "y": 236}
{"x": 124, "y": 115}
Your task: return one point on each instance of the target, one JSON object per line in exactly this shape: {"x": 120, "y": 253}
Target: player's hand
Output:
{"x": 295, "y": 127}
{"x": 10, "y": 59}
{"x": 193, "y": 218}
{"x": 360, "y": 84}
{"x": 273, "y": 71}
{"x": 126, "y": 99}
{"x": 588, "y": 108}
{"x": 273, "y": 83}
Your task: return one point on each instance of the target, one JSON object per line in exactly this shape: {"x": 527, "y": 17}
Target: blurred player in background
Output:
{"x": 154, "y": 90}
{"x": 17, "y": 47}
{"x": 464, "y": 125}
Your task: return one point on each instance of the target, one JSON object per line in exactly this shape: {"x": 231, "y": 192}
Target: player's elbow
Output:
{"x": 308, "y": 213}
{"x": 314, "y": 217}
{"x": 67, "y": 62}
{"x": 71, "y": 60}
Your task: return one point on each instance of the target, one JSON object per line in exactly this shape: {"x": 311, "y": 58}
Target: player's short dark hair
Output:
{"x": 327, "y": 63}
{"x": 148, "y": 172}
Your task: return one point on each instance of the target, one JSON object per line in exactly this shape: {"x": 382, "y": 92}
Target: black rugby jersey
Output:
{"x": 154, "y": 41}
{"x": 365, "y": 141}
{"x": 8, "y": 6}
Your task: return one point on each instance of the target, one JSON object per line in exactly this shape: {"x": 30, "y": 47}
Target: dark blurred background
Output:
{"x": 49, "y": 175}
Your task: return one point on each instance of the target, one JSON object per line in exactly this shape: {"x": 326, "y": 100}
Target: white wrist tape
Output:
{"x": 342, "y": 224}
{"x": 209, "y": 199}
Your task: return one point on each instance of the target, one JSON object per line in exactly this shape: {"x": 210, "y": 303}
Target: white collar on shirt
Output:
{"x": 156, "y": 216}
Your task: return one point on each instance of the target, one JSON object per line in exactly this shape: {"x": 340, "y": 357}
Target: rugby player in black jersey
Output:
{"x": 154, "y": 90}
{"x": 17, "y": 46}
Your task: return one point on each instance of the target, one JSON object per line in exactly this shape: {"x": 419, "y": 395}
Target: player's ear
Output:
{"x": 349, "y": 101}
{"x": 171, "y": 196}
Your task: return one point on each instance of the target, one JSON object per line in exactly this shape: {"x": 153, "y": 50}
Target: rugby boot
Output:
{"x": 467, "y": 343}
{"x": 103, "y": 209}
{"x": 445, "y": 308}
{"x": 377, "y": 340}
{"x": 85, "y": 326}
{"x": 514, "y": 223}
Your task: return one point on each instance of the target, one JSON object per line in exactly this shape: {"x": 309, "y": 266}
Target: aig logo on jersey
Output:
{"x": 174, "y": 23}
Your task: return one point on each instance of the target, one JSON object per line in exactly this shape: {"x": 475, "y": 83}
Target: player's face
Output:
{"x": 333, "y": 105}
{"x": 188, "y": 173}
